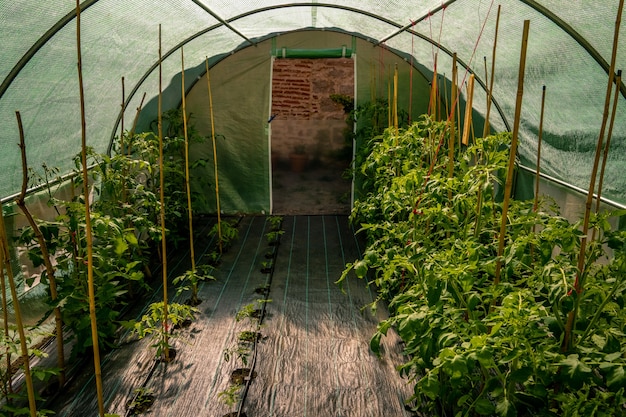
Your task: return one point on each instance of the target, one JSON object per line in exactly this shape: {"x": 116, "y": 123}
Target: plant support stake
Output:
{"x": 468, "y": 110}
{"x": 217, "y": 182}
{"x": 513, "y": 151}
{"x": 166, "y": 351}
{"x": 5, "y": 265}
{"x": 491, "y": 77}
{"x": 44, "y": 253}
{"x": 187, "y": 184}
{"x": 579, "y": 283}
{"x": 609, "y": 135}
{"x": 88, "y": 232}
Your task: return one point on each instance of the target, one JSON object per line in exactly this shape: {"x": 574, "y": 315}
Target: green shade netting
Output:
{"x": 568, "y": 51}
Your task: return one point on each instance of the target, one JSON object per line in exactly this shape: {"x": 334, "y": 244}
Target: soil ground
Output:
{"x": 312, "y": 359}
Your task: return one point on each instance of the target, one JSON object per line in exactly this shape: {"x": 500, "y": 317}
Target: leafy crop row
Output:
{"x": 475, "y": 345}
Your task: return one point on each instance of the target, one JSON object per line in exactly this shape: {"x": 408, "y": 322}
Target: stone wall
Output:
{"x": 306, "y": 117}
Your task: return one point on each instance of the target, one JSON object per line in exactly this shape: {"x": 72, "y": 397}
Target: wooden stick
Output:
{"x": 453, "y": 96}
{"x": 509, "y": 177}
{"x": 194, "y": 292}
{"x": 432, "y": 103}
{"x": 132, "y": 129}
{"x": 539, "y": 139}
{"x": 122, "y": 119}
{"x": 5, "y": 318}
{"x": 395, "y": 100}
{"x": 122, "y": 152}
{"x": 609, "y": 135}
{"x": 579, "y": 283}
{"x": 5, "y": 261}
{"x": 468, "y": 110}
{"x": 88, "y": 231}
{"x": 217, "y": 182}
{"x": 389, "y": 103}
{"x": 166, "y": 351}
{"x": 493, "y": 72}
{"x": 21, "y": 203}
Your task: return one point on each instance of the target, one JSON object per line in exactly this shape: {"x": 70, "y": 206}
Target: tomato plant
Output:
{"x": 474, "y": 346}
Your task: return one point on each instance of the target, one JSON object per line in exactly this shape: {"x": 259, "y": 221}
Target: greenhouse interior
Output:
{"x": 341, "y": 208}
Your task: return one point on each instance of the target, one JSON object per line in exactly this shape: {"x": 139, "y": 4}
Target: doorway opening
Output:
{"x": 311, "y": 141}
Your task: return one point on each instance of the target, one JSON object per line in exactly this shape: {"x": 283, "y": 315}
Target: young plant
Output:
{"x": 231, "y": 395}
{"x": 189, "y": 282}
{"x": 273, "y": 237}
{"x": 142, "y": 400}
{"x": 226, "y": 232}
{"x": 152, "y": 322}
{"x": 275, "y": 222}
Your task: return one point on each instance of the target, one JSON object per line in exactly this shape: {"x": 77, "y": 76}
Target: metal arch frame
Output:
{"x": 548, "y": 15}
{"x": 290, "y": 5}
{"x": 402, "y": 28}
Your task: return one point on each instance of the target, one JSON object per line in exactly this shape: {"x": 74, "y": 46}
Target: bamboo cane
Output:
{"x": 194, "y": 291}
{"x": 509, "y": 177}
{"x": 389, "y": 104}
{"x": 609, "y": 135}
{"x": 538, "y": 170}
{"x": 452, "y": 139}
{"x": 493, "y": 72}
{"x": 88, "y": 231}
{"x": 122, "y": 152}
{"x": 395, "y": 100}
{"x": 122, "y": 118}
{"x": 166, "y": 351}
{"x": 539, "y": 140}
{"x": 44, "y": 253}
{"x": 578, "y": 284}
{"x": 468, "y": 110}
{"x": 5, "y": 260}
{"x": 134, "y": 126}
{"x": 5, "y": 319}
{"x": 217, "y": 182}
{"x": 432, "y": 106}
{"x": 487, "y": 92}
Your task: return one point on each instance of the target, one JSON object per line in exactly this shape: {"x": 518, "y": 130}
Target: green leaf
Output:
{"x": 505, "y": 408}
{"x": 616, "y": 377}
{"x": 576, "y": 370}
{"x": 360, "y": 268}
{"x": 484, "y": 407}
{"x": 375, "y": 343}
{"x": 429, "y": 386}
{"x": 120, "y": 246}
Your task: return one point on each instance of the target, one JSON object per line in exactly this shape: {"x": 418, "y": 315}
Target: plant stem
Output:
{"x": 88, "y": 231}
{"x": 44, "y": 253}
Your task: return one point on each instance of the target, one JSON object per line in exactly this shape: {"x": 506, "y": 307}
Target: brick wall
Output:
{"x": 305, "y": 114}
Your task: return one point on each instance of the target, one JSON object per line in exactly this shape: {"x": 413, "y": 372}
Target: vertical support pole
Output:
{"x": 88, "y": 231}
{"x": 509, "y": 176}
{"x": 166, "y": 351}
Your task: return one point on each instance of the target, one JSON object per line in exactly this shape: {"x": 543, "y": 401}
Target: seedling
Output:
{"x": 230, "y": 396}
{"x": 142, "y": 400}
{"x": 275, "y": 221}
{"x": 190, "y": 280}
{"x": 152, "y": 324}
{"x": 274, "y": 236}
